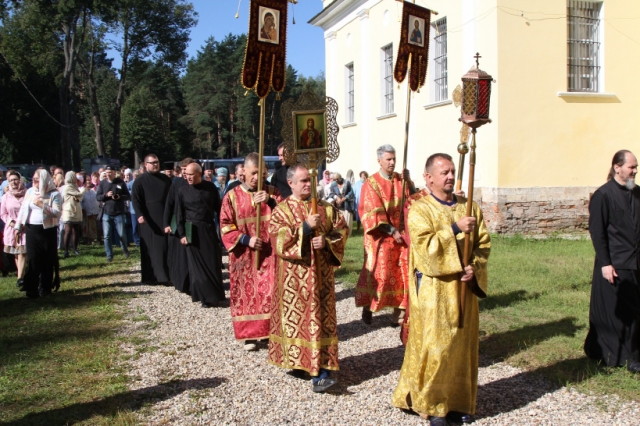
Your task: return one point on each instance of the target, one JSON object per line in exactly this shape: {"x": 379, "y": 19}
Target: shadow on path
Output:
{"x": 130, "y": 400}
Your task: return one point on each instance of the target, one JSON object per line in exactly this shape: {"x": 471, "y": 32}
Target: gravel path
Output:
{"x": 194, "y": 372}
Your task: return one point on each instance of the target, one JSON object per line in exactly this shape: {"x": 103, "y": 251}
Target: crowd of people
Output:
{"x": 283, "y": 251}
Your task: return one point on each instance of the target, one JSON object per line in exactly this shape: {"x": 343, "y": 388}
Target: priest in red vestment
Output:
{"x": 308, "y": 247}
{"x": 384, "y": 278}
{"x": 251, "y": 289}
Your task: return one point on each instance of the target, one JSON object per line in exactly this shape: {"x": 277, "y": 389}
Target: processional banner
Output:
{"x": 264, "y": 60}
{"x": 413, "y": 51}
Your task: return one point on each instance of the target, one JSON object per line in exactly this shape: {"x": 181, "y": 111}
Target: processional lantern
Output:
{"x": 476, "y": 94}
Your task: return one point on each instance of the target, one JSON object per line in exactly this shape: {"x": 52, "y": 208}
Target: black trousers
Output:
{"x": 42, "y": 246}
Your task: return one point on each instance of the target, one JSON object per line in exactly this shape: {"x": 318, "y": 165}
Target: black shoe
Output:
{"x": 19, "y": 283}
{"x": 126, "y": 255}
{"x": 66, "y": 255}
{"x": 109, "y": 259}
{"x": 458, "y": 417}
{"x": 209, "y": 305}
{"x": 633, "y": 366}
{"x": 324, "y": 384}
{"x": 437, "y": 421}
{"x": 367, "y": 316}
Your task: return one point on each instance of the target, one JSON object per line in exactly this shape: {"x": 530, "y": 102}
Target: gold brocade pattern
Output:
{"x": 383, "y": 281}
{"x": 303, "y": 331}
{"x": 440, "y": 369}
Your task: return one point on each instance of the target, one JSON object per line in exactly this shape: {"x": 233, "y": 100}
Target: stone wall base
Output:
{"x": 536, "y": 210}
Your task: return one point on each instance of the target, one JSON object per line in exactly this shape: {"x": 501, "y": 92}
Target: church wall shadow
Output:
{"x": 506, "y": 299}
{"x": 500, "y": 346}
{"x": 130, "y": 400}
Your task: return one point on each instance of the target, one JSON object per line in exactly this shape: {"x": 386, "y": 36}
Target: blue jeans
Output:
{"x": 134, "y": 230}
{"x": 118, "y": 223}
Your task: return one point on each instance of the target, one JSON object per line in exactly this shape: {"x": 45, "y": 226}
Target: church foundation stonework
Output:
{"x": 536, "y": 211}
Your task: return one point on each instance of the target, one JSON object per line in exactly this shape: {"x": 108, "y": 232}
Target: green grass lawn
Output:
{"x": 59, "y": 355}
{"x": 536, "y": 315}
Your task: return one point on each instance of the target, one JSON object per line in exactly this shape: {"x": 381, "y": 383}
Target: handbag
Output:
{"x": 100, "y": 212}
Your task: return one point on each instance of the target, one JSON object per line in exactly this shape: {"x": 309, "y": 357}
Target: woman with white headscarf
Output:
{"x": 9, "y": 209}
{"x": 38, "y": 219}
{"x": 72, "y": 211}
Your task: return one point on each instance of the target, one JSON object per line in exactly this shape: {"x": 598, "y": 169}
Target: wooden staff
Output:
{"x": 260, "y": 163}
{"x": 463, "y": 149}
{"x": 314, "y": 210}
{"x": 467, "y": 236}
{"x": 407, "y": 119}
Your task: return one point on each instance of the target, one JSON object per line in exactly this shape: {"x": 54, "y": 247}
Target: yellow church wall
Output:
{"x": 550, "y": 141}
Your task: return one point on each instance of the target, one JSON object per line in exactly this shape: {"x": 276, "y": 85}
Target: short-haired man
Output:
{"x": 303, "y": 333}
{"x": 279, "y": 178}
{"x": 439, "y": 375}
{"x": 384, "y": 277}
{"x": 177, "y": 254}
{"x": 149, "y": 196}
{"x": 113, "y": 192}
{"x": 196, "y": 206}
{"x": 251, "y": 289}
{"x": 614, "y": 225}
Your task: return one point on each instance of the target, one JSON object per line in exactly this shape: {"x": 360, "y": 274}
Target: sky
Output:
{"x": 216, "y": 18}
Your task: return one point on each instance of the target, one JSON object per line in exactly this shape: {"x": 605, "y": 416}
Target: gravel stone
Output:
{"x": 190, "y": 370}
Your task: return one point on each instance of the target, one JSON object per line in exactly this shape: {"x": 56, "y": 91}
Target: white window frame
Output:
{"x": 386, "y": 71}
{"x": 350, "y": 99}
{"x": 438, "y": 58}
{"x": 585, "y": 55}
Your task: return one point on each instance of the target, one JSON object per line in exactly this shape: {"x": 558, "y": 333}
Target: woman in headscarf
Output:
{"x": 72, "y": 211}
{"x": 38, "y": 219}
{"x": 9, "y": 209}
{"x": 341, "y": 196}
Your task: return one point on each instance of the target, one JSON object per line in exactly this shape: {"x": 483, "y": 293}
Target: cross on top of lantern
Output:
{"x": 476, "y": 92}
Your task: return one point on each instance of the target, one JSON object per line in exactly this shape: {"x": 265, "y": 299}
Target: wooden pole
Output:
{"x": 467, "y": 236}
{"x": 314, "y": 210}
{"x": 407, "y": 120}
{"x": 260, "y": 163}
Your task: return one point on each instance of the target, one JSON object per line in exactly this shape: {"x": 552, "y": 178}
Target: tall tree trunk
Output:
{"x": 117, "y": 113}
{"x": 65, "y": 146}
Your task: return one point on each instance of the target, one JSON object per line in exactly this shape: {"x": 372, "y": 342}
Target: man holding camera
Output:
{"x": 113, "y": 192}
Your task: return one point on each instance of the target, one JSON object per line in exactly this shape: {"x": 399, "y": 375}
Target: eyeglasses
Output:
{"x": 153, "y": 162}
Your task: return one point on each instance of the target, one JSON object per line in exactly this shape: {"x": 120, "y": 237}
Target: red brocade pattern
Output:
{"x": 384, "y": 279}
{"x": 251, "y": 290}
{"x": 303, "y": 320}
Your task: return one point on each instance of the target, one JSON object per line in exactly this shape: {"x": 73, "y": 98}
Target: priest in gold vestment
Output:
{"x": 439, "y": 375}
{"x": 303, "y": 329}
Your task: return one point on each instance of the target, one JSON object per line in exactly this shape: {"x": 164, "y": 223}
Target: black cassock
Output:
{"x": 177, "y": 256}
{"x": 197, "y": 204}
{"x": 149, "y": 195}
{"x": 614, "y": 312}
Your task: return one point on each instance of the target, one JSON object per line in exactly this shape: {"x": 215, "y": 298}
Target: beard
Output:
{"x": 630, "y": 183}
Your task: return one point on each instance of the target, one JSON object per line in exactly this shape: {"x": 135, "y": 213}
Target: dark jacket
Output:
{"x": 113, "y": 207}
{"x": 614, "y": 224}
{"x": 279, "y": 180}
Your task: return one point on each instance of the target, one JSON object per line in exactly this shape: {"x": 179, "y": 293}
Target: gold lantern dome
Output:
{"x": 476, "y": 93}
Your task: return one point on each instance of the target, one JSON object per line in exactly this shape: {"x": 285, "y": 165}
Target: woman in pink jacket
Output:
{"x": 9, "y": 209}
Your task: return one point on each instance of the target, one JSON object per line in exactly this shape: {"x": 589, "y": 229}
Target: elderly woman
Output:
{"x": 9, "y": 209}
{"x": 340, "y": 194}
{"x": 71, "y": 211}
{"x": 38, "y": 218}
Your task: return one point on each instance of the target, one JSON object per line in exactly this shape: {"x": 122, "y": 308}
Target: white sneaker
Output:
{"x": 250, "y": 345}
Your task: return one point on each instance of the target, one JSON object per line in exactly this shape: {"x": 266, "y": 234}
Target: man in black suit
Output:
{"x": 614, "y": 224}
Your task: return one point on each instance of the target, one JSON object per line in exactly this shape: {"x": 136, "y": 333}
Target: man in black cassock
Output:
{"x": 614, "y": 224}
{"x": 177, "y": 256}
{"x": 279, "y": 177}
{"x": 196, "y": 206}
{"x": 149, "y": 195}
